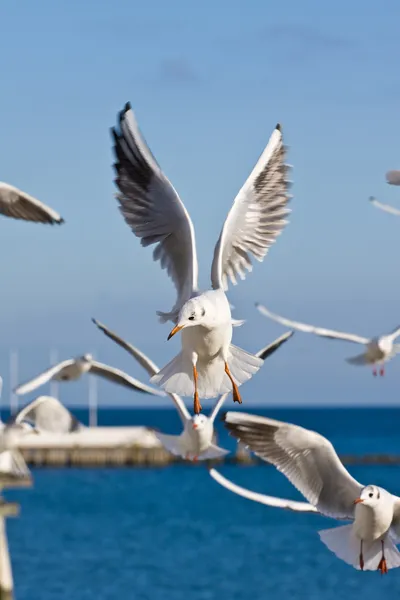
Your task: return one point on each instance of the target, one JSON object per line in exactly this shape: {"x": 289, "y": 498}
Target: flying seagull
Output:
{"x": 196, "y": 440}
{"x": 208, "y": 364}
{"x": 378, "y": 350}
{"x": 73, "y": 368}
{"x": 310, "y": 463}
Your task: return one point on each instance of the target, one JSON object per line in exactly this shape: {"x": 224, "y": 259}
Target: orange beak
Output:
{"x": 358, "y": 501}
{"x": 194, "y": 425}
{"x": 175, "y": 330}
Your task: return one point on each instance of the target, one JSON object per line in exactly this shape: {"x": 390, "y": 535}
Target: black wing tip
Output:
{"x": 371, "y": 198}
{"x": 60, "y": 221}
{"x": 127, "y": 107}
{"x": 278, "y": 127}
{"x": 223, "y": 416}
{"x": 94, "y": 321}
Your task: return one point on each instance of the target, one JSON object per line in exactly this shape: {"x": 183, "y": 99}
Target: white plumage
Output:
{"x": 19, "y": 205}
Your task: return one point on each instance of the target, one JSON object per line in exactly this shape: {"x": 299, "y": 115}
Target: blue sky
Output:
{"x": 208, "y": 82}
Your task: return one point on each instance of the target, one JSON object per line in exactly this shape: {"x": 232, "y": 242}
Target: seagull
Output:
{"x": 19, "y": 205}
{"x": 196, "y": 440}
{"x": 311, "y": 464}
{"x": 378, "y": 350}
{"x": 208, "y": 364}
{"x": 47, "y": 414}
{"x": 73, "y": 368}
{"x": 393, "y": 177}
{"x": 385, "y": 207}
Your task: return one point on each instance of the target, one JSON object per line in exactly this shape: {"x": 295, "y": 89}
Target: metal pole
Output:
{"x": 92, "y": 400}
{"x": 53, "y": 383}
{"x": 13, "y": 381}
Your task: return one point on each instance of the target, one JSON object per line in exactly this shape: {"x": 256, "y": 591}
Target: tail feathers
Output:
{"x": 177, "y": 376}
{"x": 343, "y": 542}
{"x": 360, "y": 359}
{"x": 12, "y": 463}
{"x": 170, "y": 442}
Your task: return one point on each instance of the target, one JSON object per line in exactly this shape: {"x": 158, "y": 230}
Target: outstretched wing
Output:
{"x": 43, "y": 378}
{"x": 19, "y": 205}
{"x": 262, "y": 498}
{"x": 328, "y": 333}
{"x": 256, "y": 218}
{"x": 121, "y": 378}
{"x": 385, "y": 207}
{"x": 153, "y": 210}
{"x": 306, "y": 458}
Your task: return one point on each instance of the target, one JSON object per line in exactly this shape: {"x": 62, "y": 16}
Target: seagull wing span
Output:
{"x": 153, "y": 210}
{"x": 121, "y": 378}
{"x": 47, "y": 414}
{"x": 261, "y": 498}
{"x": 385, "y": 207}
{"x": 328, "y": 333}
{"x": 43, "y": 378}
{"x": 264, "y": 353}
{"x": 256, "y": 218}
{"x": 306, "y": 458}
{"x": 147, "y": 364}
{"x": 19, "y": 205}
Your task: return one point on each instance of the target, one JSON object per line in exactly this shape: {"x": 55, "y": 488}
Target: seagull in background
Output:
{"x": 73, "y": 368}
{"x": 47, "y": 414}
{"x": 18, "y": 205}
{"x": 378, "y": 350}
{"x": 385, "y": 207}
{"x": 196, "y": 442}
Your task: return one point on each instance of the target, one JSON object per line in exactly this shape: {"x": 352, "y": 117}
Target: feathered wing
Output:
{"x": 47, "y": 414}
{"x": 385, "y": 207}
{"x": 43, "y": 378}
{"x": 262, "y": 498}
{"x": 153, "y": 210}
{"x": 256, "y": 218}
{"x": 306, "y": 458}
{"x": 121, "y": 378}
{"x": 18, "y": 205}
{"x": 394, "y": 334}
{"x": 327, "y": 333}
{"x": 147, "y": 364}
{"x": 12, "y": 463}
{"x": 264, "y": 353}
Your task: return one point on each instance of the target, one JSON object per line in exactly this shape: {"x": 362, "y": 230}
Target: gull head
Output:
{"x": 87, "y": 357}
{"x": 370, "y": 496}
{"x": 194, "y": 312}
{"x": 199, "y": 422}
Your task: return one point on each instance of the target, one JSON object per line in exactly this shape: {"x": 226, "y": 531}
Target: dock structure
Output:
{"x": 8, "y": 509}
{"x": 133, "y": 446}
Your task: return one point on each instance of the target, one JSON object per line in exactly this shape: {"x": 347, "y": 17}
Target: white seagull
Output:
{"x": 311, "y": 464}
{"x": 47, "y": 414}
{"x": 208, "y": 364}
{"x": 378, "y": 350}
{"x": 385, "y": 207}
{"x": 73, "y": 368}
{"x": 19, "y": 205}
{"x": 196, "y": 440}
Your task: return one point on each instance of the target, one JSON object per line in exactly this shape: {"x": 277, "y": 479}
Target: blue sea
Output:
{"x": 173, "y": 533}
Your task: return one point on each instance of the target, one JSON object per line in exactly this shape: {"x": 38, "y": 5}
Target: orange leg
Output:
{"x": 382, "y": 567}
{"x": 196, "y": 405}
{"x": 236, "y": 395}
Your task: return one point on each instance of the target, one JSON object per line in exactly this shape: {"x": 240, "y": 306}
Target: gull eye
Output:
{"x": 191, "y": 318}
{"x": 371, "y": 495}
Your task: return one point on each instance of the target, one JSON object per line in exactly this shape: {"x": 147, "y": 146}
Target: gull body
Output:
{"x": 208, "y": 364}
{"x": 378, "y": 350}
{"x": 17, "y": 204}
{"x": 73, "y": 368}
{"x": 196, "y": 442}
{"x": 311, "y": 464}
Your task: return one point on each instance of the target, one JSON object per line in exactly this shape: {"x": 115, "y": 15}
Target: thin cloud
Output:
{"x": 177, "y": 71}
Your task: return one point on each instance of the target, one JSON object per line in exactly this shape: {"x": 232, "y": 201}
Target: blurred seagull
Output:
{"x": 208, "y": 364}
{"x": 311, "y": 464}
{"x": 19, "y": 205}
{"x": 378, "y": 350}
{"x": 196, "y": 440}
{"x": 393, "y": 177}
{"x": 47, "y": 414}
{"x": 73, "y": 368}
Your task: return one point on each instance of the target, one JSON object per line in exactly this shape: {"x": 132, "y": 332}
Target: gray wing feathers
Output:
{"x": 121, "y": 378}
{"x": 19, "y": 205}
